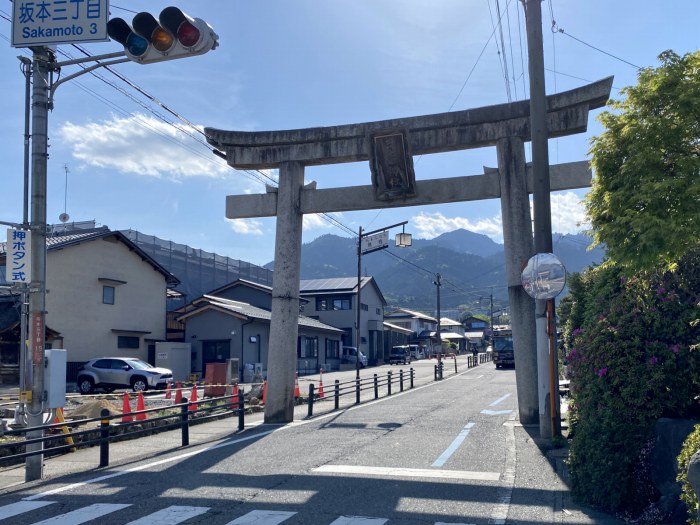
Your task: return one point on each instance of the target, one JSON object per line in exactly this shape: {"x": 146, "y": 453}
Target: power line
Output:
{"x": 556, "y": 29}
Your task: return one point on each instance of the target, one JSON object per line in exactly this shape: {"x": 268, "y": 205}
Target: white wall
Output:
{"x": 74, "y": 299}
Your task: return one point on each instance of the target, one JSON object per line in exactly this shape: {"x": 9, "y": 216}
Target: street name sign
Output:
{"x": 53, "y": 22}
{"x": 374, "y": 242}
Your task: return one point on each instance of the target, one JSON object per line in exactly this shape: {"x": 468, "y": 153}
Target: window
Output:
{"x": 332, "y": 349}
{"x": 108, "y": 295}
{"x": 333, "y": 302}
{"x": 127, "y": 341}
{"x": 308, "y": 347}
{"x": 364, "y": 307}
{"x": 378, "y": 311}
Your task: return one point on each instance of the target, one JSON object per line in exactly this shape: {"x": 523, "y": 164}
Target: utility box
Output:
{"x": 55, "y": 377}
{"x": 176, "y": 357}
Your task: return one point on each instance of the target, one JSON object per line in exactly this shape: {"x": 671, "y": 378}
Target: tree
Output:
{"x": 645, "y": 201}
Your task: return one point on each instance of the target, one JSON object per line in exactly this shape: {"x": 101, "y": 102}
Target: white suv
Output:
{"x": 109, "y": 373}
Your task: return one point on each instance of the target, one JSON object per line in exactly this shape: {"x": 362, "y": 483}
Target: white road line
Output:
{"x": 499, "y": 513}
{"x": 398, "y": 472}
{"x": 262, "y": 517}
{"x": 495, "y": 412}
{"x": 358, "y": 520}
{"x": 439, "y": 462}
{"x": 14, "y": 509}
{"x": 170, "y": 516}
{"x": 499, "y": 400}
{"x": 84, "y": 514}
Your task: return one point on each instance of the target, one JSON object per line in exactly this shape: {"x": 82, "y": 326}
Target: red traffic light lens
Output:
{"x": 187, "y": 34}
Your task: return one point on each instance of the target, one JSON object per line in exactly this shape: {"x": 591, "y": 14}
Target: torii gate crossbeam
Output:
{"x": 390, "y": 145}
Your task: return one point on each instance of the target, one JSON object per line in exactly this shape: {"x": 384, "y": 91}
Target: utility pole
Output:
{"x": 438, "y": 283}
{"x": 358, "y": 306}
{"x": 541, "y": 202}
{"x": 42, "y": 63}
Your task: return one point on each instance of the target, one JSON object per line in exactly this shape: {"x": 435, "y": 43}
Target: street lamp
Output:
{"x": 368, "y": 242}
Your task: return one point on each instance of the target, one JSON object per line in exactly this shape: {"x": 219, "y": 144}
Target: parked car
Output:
{"x": 400, "y": 354}
{"x": 350, "y": 356}
{"x": 108, "y": 373}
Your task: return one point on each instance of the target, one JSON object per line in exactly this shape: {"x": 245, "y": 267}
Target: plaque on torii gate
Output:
{"x": 389, "y": 146}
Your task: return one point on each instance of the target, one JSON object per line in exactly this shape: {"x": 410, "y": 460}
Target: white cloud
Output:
{"x": 568, "y": 213}
{"x": 430, "y": 225}
{"x": 246, "y": 226}
{"x": 144, "y": 146}
{"x": 568, "y": 216}
{"x": 313, "y": 221}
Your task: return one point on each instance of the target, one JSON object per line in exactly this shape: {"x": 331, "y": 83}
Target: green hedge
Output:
{"x": 690, "y": 447}
{"x": 628, "y": 349}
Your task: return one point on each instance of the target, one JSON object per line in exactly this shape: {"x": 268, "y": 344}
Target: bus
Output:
{"x": 502, "y": 346}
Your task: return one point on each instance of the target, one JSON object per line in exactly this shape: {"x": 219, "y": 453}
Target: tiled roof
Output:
{"x": 254, "y": 312}
{"x": 403, "y": 312}
{"x": 337, "y": 284}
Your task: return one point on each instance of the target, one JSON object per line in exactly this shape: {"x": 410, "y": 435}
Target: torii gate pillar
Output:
{"x": 279, "y": 405}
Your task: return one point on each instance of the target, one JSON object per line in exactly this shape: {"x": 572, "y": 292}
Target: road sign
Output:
{"x": 374, "y": 242}
{"x": 18, "y": 267}
{"x": 53, "y": 22}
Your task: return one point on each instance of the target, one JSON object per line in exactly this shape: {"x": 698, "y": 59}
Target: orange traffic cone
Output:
{"x": 168, "y": 392}
{"x": 140, "y": 405}
{"x": 296, "y": 384}
{"x": 126, "y": 409}
{"x": 264, "y": 391}
{"x": 320, "y": 386}
{"x": 193, "y": 406}
{"x": 178, "y": 393}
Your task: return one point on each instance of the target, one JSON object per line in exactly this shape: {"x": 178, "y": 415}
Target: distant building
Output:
{"x": 334, "y": 302}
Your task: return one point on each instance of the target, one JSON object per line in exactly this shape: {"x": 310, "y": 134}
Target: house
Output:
{"x": 395, "y": 336}
{"x": 476, "y": 330}
{"x": 334, "y": 302}
{"x": 453, "y": 331}
{"x": 423, "y": 327}
{"x": 233, "y": 322}
{"x": 105, "y": 296}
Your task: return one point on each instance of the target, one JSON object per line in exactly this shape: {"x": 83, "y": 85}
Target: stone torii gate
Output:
{"x": 389, "y": 146}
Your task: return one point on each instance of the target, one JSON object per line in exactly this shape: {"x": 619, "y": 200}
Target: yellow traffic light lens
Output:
{"x": 161, "y": 39}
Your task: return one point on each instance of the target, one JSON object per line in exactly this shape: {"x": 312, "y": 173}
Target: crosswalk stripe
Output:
{"x": 262, "y": 517}
{"x": 358, "y": 520}
{"x": 170, "y": 516}
{"x": 14, "y": 509}
{"x": 84, "y": 514}
{"x": 399, "y": 472}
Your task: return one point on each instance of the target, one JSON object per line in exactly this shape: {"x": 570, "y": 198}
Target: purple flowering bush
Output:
{"x": 629, "y": 352}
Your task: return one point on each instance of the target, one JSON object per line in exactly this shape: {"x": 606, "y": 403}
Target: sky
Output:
{"x": 128, "y": 151}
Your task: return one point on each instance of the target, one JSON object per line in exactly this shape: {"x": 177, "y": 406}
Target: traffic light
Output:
{"x": 173, "y": 35}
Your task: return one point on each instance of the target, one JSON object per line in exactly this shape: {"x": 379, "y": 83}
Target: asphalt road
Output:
{"x": 444, "y": 452}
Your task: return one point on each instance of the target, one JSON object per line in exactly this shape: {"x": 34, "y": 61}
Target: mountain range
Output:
{"x": 471, "y": 267}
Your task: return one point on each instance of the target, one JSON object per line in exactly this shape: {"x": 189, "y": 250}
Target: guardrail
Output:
{"x": 357, "y": 386}
{"x": 133, "y": 424}
{"x": 472, "y": 361}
